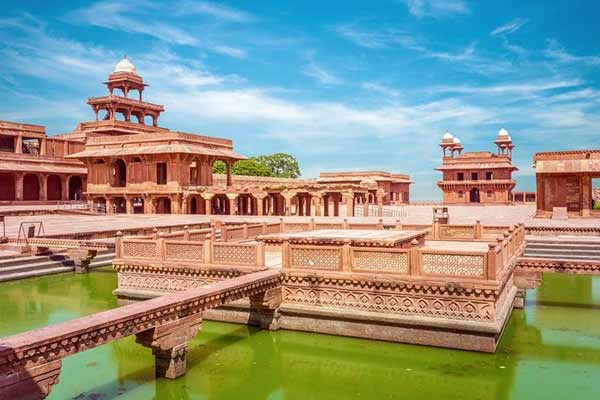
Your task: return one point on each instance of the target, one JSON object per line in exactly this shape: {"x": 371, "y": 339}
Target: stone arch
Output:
{"x": 7, "y": 183}
{"x": 219, "y": 204}
{"x": 31, "y": 187}
{"x": 75, "y": 188}
{"x": 119, "y": 173}
{"x": 53, "y": 187}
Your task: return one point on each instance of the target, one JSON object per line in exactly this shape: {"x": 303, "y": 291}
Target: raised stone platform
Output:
{"x": 354, "y": 237}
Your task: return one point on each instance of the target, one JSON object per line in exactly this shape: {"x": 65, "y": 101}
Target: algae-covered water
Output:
{"x": 551, "y": 350}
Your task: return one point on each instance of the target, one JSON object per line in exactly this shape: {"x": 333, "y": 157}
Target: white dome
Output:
{"x": 503, "y": 133}
{"x": 456, "y": 140}
{"x": 125, "y": 66}
{"x": 447, "y": 135}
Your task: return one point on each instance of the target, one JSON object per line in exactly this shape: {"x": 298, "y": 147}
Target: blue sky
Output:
{"x": 338, "y": 84}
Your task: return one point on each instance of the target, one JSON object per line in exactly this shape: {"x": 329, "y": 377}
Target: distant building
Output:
{"x": 396, "y": 187}
{"x": 477, "y": 177}
{"x": 564, "y": 179}
{"x": 33, "y": 167}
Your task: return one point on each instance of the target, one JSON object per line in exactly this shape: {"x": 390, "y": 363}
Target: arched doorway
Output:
{"x": 75, "y": 188}
{"x": 7, "y": 183}
{"x": 31, "y": 187}
{"x": 474, "y": 195}
{"x": 220, "y": 205}
{"x": 193, "y": 206}
{"x": 119, "y": 173}
{"x": 53, "y": 188}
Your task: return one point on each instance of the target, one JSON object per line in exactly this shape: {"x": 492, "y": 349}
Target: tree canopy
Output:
{"x": 279, "y": 165}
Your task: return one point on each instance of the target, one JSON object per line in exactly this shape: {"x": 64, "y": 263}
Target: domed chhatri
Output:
{"x": 456, "y": 140}
{"x": 447, "y": 135}
{"x": 125, "y": 66}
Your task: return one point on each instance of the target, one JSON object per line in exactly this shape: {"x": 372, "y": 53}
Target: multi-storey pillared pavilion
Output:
{"x": 135, "y": 166}
{"x": 477, "y": 177}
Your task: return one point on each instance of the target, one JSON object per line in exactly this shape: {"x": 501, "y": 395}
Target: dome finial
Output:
{"x": 125, "y": 66}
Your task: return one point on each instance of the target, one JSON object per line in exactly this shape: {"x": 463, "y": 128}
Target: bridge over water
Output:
{"x": 30, "y": 362}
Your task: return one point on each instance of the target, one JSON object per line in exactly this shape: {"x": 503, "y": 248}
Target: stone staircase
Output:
{"x": 563, "y": 248}
{"x": 25, "y": 266}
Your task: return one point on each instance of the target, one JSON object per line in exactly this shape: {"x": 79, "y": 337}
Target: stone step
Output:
{"x": 583, "y": 245}
{"x": 30, "y": 260}
{"x": 40, "y": 265}
{"x": 34, "y": 273}
{"x": 585, "y": 257}
{"x": 584, "y": 249}
{"x": 46, "y": 267}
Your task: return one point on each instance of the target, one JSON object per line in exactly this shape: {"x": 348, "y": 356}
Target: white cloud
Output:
{"x": 380, "y": 89}
{"x": 437, "y": 8}
{"x": 213, "y": 9}
{"x": 139, "y": 17}
{"x": 509, "y": 27}
{"x": 556, "y": 51}
{"x": 319, "y": 73}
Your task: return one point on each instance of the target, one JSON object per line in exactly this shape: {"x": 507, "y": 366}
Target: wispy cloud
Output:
{"x": 379, "y": 88}
{"x": 509, "y": 27}
{"x": 437, "y": 8}
{"x": 319, "y": 73}
{"x": 137, "y": 16}
{"x": 557, "y": 52}
{"x": 213, "y": 9}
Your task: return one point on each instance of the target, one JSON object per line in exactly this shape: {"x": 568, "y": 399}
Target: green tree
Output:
{"x": 281, "y": 165}
{"x": 249, "y": 167}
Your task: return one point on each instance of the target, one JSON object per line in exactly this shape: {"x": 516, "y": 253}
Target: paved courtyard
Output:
{"x": 415, "y": 214}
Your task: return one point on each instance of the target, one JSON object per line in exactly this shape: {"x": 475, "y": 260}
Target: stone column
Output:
{"x": 43, "y": 180}
{"x": 207, "y": 203}
{"x": 317, "y": 204}
{"x": 259, "y": 203}
{"x": 348, "y": 198}
{"x": 232, "y": 203}
{"x": 586, "y": 193}
{"x": 43, "y": 147}
{"x": 366, "y": 206}
{"x": 19, "y": 185}
{"x": 379, "y": 204}
{"x": 228, "y": 166}
{"x": 19, "y": 144}
{"x": 308, "y": 202}
{"x": 109, "y": 209}
{"x": 169, "y": 344}
{"x": 288, "y": 202}
{"x": 336, "y": 205}
{"x": 129, "y": 205}
{"x": 65, "y": 187}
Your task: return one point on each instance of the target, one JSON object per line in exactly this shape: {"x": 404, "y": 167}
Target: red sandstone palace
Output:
{"x": 123, "y": 162}
{"x": 477, "y": 177}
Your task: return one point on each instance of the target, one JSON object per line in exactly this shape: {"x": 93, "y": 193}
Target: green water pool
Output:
{"x": 550, "y": 350}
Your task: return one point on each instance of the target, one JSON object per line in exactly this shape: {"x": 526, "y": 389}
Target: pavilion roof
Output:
{"x": 177, "y": 148}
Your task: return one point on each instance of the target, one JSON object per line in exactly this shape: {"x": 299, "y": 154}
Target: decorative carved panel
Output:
{"x": 184, "y": 251}
{"x": 318, "y": 258}
{"x": 453, "y": 264}
{"x": 139, "y": 249}
{"x": 234, "y": 254}
{"x": 380, "y": 261}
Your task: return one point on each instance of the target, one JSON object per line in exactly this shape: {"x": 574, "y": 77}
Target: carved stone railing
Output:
{"x": 201, "y": 254}
{"x": 30, "y": 362}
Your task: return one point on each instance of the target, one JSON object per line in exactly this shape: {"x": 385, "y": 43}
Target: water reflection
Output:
{"x": 550, "y": 350}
